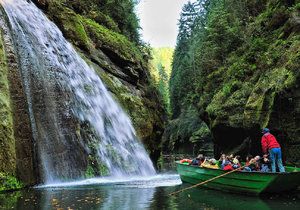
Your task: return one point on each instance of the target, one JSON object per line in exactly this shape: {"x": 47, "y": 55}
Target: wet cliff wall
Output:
{"x": 16, "y": 142}
{"x": 116, "y": 54}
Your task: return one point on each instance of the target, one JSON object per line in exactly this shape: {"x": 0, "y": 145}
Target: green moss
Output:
{"x": 160, "y": 162}
{"x": 103, "y": 170}
{"x": 8, "y": 182}
{"x": 243, "y": 90}
{"x": 89, "y": 173}
{"x": 107, "y": 39}
{"x": 70, "y": 23}
{"x": 103, "y": 19}
{"x": 7, "y": 140}
{"x": 10, "y": 200}
{"x": 188, "y": 129}
{"x": 118, "y": 59}
{"x": 133, "y": 104}
{"x": 95, "y": 168}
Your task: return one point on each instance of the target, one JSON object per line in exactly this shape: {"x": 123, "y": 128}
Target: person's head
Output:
{"x": 257, "y": 158}
{"x": 265, "y": 130}
{"x": 231, "y": 156}
{"x": 213, "y": 161}
{"x": 235, "y": 160}
{"x": 266, "y": 160}
{"x": 200, "y": 156}
{"x": 223, "y": 156}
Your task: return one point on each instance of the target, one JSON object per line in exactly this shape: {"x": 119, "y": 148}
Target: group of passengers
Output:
{"x": 270, "y": 148}
{"x": 231, "y": 162}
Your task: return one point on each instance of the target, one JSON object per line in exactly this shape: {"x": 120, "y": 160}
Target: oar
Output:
{"x": 209, "y": 180}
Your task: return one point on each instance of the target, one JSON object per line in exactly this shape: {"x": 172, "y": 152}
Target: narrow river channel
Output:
{"x": 138, "y": 193}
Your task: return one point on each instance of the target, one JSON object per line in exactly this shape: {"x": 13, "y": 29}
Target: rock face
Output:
{"x": 258, "y": 85}
{"x": 187, "y": 134}
{"x": 119, "y": 62}
{"x": 246, "y": 64}
{"x": 16, "y": 156}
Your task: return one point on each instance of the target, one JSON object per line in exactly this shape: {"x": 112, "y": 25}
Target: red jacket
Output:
{"x": 268, "y": 141}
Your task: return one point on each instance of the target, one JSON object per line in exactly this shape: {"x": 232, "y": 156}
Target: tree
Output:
{"x": 183, "y": 76}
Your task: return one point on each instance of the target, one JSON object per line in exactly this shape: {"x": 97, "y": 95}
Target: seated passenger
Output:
{"x": 210, "y": 163}
{"x": 253, "y": 164}
{"x": 228, "y": 164}
{"x": 198, "y": 160}
{"x": 230, "y": 157}
{"x": 248, "y": 158}
{"x": 236, "y": 162}
{"x": 222, "y": 161}
{"x": 265, "y": 166}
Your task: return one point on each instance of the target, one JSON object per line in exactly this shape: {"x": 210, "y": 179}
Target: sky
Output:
{"x": 158, "y": 19}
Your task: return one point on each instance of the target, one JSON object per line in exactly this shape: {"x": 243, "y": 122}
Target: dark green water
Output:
{"x": 145, "y": 194}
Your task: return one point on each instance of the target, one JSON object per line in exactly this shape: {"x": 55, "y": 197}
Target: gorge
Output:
{"x": 68, "y": 69}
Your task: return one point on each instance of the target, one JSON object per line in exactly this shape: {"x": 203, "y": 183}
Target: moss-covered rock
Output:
{"x": 118, "y": 61}
{"x": 8, "y": 182}
{"x": 253, "y": 82}
{"x": 246, "y": 64}
{"x": 7, "y": 139}
{"x": 16, "y": 157}
{"x": 187, "y": 134}
{"x": 70, "y": 24}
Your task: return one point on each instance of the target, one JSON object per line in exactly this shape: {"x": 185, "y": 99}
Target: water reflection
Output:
{"x": 139, "y": 195}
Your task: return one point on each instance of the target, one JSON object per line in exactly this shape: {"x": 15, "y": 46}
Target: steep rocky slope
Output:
{"x": 257, "y": 84}
{"x": 113, "y": 52}
{"x": 246, "y": 58}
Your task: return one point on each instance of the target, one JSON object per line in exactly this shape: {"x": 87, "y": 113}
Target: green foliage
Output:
{"x": 89, "y": 25}
{"x": 240, "y": 62}
{"x": 163, "y": 56}
{"x": 160, "y": 162}
{"x": 89, "y": 173}
{"x": 107, "y": 39}
{"x": 103, "y": 170}
{"x": 117, "y": 15}
{"x": 187, "y": 129}
{"x": 183, "y": 90}
{"x": 8, "y": 182}
{"x": 103, "y": 19}
{"x": 70, "y": 24}
{"x": 122, "y": 12}
{"x": 10, "y": 200}
{"x": 160, "y": 72}
{"x": 236, "y": 60}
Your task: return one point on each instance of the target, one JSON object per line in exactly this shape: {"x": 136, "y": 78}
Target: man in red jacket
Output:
{"x": 270, "y": 144}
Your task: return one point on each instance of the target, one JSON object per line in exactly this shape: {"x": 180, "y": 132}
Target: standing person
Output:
{"x": 270, "y": 144}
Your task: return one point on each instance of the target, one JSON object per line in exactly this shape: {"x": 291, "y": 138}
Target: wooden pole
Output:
{"x": 205, "y": 182}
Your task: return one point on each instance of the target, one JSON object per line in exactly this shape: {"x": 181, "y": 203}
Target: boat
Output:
{"x": 254, "y": 183}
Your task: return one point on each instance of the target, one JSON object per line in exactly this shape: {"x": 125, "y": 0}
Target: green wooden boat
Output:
{"x": 242, "y": 182}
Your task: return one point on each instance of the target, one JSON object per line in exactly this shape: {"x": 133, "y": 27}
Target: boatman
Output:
{"x": 270, "y": 144}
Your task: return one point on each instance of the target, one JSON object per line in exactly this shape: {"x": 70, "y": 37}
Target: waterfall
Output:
{"x": 77, "y": 126}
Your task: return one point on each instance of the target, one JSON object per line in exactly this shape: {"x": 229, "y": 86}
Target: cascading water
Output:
{"x": 75, "y": 122}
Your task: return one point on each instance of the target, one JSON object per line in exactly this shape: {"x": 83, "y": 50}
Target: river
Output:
{"x": 138, "y": 193}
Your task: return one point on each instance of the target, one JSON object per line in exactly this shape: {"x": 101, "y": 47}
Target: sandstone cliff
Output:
{"x": 114, "y": 53}
{"x": 242, "y": 65}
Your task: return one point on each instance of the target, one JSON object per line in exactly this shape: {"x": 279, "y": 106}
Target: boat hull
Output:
{"x": 253, "y": 183}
